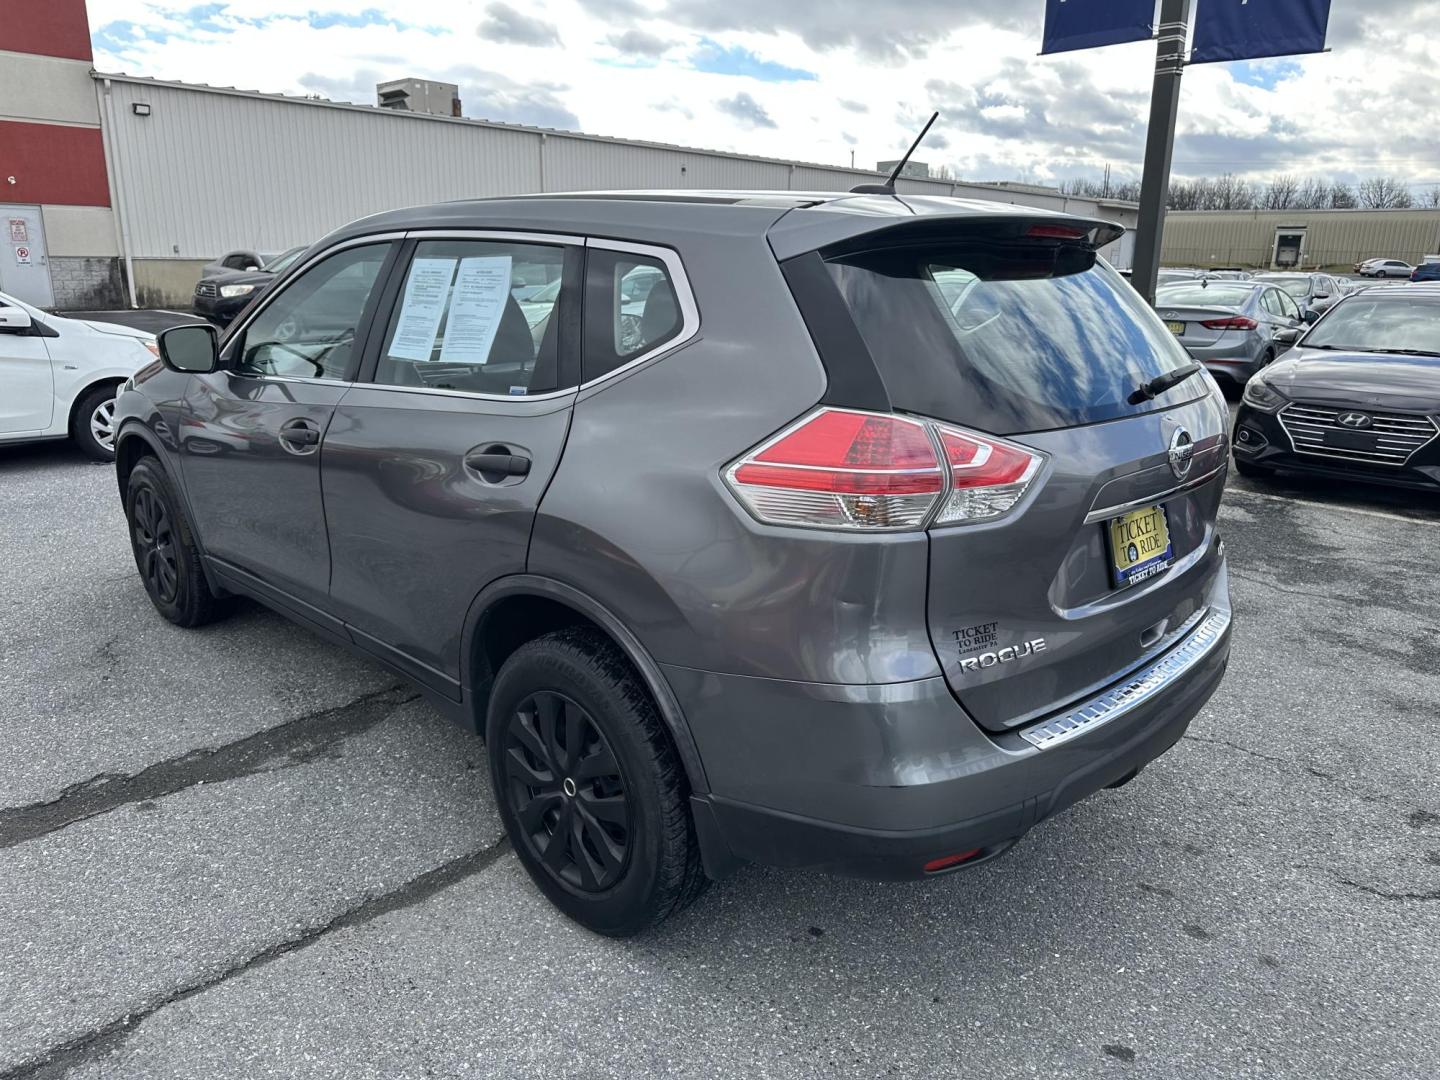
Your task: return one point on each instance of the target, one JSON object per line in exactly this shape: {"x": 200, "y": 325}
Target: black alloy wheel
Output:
{"x": 567, "y": 792}
{"x": 154, "y": 539}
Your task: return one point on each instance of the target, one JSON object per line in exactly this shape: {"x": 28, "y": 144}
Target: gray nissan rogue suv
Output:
{"x": 855, "y": 532}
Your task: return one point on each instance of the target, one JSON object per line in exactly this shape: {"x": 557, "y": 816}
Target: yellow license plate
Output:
{"x": 1176, "y": 328}
{"x": 1140, "y": 545}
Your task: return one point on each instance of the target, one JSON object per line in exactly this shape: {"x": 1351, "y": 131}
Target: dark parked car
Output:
{"x": 874, "y": 534}
{"x": 1315, "y": 293}
{"x": 1234, "y": 328}
{"x": 1429, "y": 270}
{"x": 221, "y": 296}
{"x": 1357, "y": 398}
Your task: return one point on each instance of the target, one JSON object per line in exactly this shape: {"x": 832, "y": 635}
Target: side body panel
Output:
{"x": 415, "y": 533}
{"x": 637, "y": 515}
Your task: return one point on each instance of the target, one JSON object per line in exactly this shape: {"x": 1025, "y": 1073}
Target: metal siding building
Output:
{"x": 1334, "y": 239}
{"x": 207, "y": 169}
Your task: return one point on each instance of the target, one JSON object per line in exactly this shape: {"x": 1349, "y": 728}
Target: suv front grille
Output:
{"x": 206, "y": 288}
{"x": 1397, "y": 436}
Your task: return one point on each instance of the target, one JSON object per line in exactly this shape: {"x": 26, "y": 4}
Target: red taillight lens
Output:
{"x": 1238, "y": 322}
{"x": 946, "y": 861}
{"x": 840, "y": 468}
{"x": 1057, "y": 232}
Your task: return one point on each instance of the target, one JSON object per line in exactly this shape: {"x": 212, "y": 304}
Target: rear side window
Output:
{"x": 478, "y": 316}
{"x": 1008, "y": 338}
{"x": 631, "y": 308}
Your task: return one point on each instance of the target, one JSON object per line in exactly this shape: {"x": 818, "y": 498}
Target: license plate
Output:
{"x": 1351, "y": 440}
{"x": 1140, "y": 545}
{"x": 1176, "y": 328}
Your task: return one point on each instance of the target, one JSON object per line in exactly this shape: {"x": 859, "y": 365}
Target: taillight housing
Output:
{"x": 854, "y": 470}
{"x": 1236, "y": 322}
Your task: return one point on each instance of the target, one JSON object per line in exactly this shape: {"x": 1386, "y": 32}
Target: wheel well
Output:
{"x": 128, "y": 452}
{"x": 75, "y": 405}
{"x": 511, "y": 622}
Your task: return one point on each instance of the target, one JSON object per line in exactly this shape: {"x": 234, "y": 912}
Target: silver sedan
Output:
{"x": 1234, "y": 328}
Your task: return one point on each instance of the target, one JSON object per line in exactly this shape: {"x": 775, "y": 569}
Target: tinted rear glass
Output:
{"x": 1211, "y": 295}
{"x": 1008, "y": 338}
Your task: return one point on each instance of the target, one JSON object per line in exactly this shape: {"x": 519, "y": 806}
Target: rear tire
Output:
{"x": 589, "y": 785}
{"x": 93, "y": 426}
{"x": 165, "y": 551}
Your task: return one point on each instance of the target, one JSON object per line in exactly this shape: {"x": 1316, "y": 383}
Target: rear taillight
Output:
{"x": 1237, "y": 322}
{"x": 843, "y": 469}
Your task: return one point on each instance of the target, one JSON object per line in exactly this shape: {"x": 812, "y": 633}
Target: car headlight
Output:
{"x": 229, "y": 291}
{"x": 153, "y": 346}
{"x": 1261, "y": 395}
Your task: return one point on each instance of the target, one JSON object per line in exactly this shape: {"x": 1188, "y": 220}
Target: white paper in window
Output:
{"x": 425, "y": 293}
{"x": 481, "y": 289}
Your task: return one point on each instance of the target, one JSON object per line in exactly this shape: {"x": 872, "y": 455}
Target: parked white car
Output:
{"x": 58, "y": 376}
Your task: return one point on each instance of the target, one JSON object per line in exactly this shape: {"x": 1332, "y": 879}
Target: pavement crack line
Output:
{"x": 1389, "y": 894}
{"x": 292, "y": 743}
{"x": 1284, "y": 763}
{"x": 59, "y": 1060}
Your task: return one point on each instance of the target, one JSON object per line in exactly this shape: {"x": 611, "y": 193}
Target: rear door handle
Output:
{"x": 299, "y": 433}
{"x": 498, "y": 464}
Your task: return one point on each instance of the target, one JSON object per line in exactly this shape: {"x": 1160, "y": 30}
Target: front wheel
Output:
{"x": 165, "y": 551}
{"x": 589, "y": 785}
{"x": 93, "y": 428}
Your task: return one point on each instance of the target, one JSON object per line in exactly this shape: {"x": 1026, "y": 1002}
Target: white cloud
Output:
{"x": 1362, "y": 109}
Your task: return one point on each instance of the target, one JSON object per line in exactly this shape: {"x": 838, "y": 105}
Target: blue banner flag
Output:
{"x": 1250, "y": 29}
{"x": 1085, "y": 24}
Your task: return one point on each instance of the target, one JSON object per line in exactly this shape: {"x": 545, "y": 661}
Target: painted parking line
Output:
{"x": 1233, "y": 493}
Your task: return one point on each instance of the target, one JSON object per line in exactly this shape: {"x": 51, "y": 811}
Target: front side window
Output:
{"x": 480, "y": 317}
{"x": 631, "y": 308}
{"x": 308, "y": 330}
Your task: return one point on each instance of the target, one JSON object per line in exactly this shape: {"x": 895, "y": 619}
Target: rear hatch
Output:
{"x": 1016, "y": 330}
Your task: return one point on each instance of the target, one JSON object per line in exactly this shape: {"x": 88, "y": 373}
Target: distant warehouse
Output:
{"x": 1282, "y": 239}
{"x": 117, "y": 189}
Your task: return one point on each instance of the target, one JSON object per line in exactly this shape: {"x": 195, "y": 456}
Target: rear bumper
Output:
{"x": 876, "y": 781}
{"x": 1235, "y": 360}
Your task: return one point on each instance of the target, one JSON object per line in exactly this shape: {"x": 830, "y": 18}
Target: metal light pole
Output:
{"x": 1160, "y": 143}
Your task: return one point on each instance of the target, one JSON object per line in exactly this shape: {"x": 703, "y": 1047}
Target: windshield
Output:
{"x": 1368, "y": 323}
{"x": 1296, "y": 286}
{"x": 1008, "y": 338}
{"x": 281, "y": 261}
{"x": 1193, "y": 294}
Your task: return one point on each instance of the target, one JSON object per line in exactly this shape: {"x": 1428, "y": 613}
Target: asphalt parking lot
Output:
{"x": 241, "y": 852}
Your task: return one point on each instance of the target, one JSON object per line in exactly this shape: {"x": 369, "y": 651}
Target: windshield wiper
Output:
{"x": 1404, "y": 352}
{"x": 1158, "y": 385}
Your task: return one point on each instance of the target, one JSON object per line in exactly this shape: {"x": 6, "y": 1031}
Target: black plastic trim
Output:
{"x": 853, "y": 380}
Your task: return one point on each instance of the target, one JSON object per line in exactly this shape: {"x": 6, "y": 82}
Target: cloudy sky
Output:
{"x": 817, "y": 79}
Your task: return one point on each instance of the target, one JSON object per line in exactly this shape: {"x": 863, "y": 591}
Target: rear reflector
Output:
{"x": 1238, "y": 322}
{"x": 845, "y": 469}
{"x": 947, "y": 861}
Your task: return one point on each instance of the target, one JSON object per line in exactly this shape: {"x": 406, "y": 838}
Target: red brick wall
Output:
{"x": 52, "y": 164}
{"x": 47, "y": 27}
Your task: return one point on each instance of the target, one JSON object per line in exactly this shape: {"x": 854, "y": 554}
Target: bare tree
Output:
{"x": 1281, "y": 193}
{"x": 1232, "y": 193}
{"x": 1314, "y": 194}
{"x": 1430, "y": 198}
{"x": 1342, "y": 197}
{"x": 1385, "y": 193}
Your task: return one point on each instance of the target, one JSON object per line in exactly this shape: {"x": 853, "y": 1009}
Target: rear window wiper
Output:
{"x": 1158, "y": 385}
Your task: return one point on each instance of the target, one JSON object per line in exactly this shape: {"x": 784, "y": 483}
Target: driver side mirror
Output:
{"x": 1287, "y": 337}
{"x": 14, "y": 320}
{"x": 1310, "y": 315}
{"x": 193, "y": 349}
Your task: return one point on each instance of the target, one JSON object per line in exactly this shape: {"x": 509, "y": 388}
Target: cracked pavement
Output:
{"x": 240, "y": 852}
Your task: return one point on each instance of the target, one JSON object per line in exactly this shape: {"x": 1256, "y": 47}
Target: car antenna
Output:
{"x": 888, "y": 188}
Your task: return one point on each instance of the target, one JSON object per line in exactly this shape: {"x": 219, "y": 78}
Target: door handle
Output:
{"x": 498, "y": 464}
{"x": 300, "y": 433}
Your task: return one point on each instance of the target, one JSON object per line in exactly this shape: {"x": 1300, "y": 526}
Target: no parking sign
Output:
{"x": 22, "y": 255}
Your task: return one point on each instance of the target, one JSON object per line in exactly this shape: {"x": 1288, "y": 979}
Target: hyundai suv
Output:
{"x": 880, "y": 531}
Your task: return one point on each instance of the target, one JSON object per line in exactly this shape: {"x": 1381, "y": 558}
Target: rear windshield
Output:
{"x": 1008, "y": 338}
{"x": 1194, "y": 295}
{"x": 1298, "y": 287}
{"x": 1367, "y": 323}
